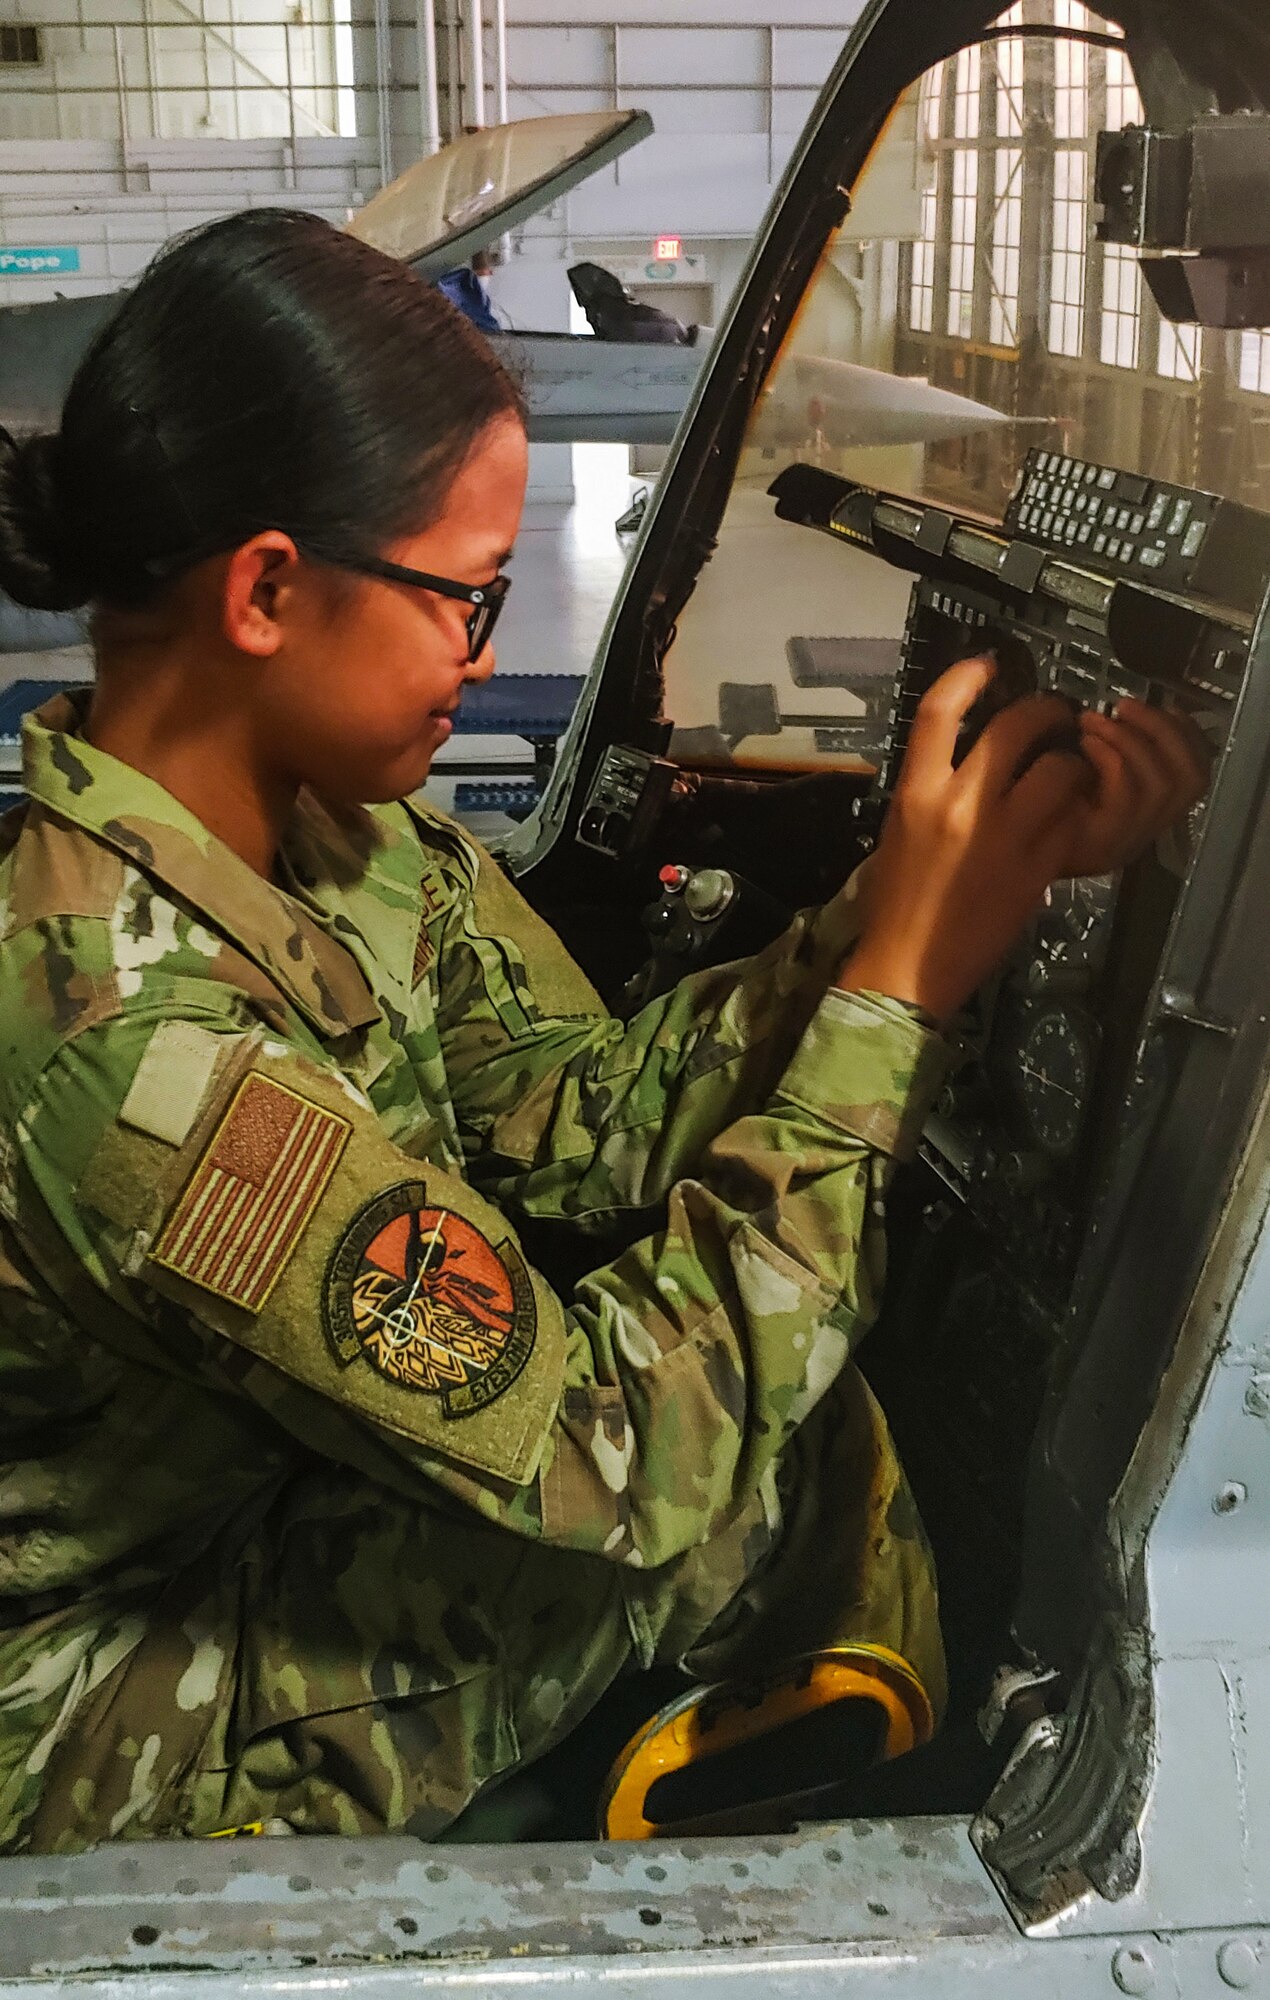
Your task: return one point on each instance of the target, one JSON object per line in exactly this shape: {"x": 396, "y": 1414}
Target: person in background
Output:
{"x": 324, "y": 1508}
{"x": 467, "y": 288}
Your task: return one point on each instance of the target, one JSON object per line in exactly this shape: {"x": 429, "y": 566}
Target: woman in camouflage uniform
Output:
{"x": 321, "y": 1507}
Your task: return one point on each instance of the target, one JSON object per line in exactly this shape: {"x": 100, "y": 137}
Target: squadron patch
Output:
{"x": 429, "y": 1301}
{"x": 250, "y": 1198}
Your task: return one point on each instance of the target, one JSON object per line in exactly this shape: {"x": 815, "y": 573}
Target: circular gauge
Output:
{"x": 1054, "y": 1069}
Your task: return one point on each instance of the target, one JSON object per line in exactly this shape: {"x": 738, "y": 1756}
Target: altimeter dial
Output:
{"x": 1055, "y": 1067}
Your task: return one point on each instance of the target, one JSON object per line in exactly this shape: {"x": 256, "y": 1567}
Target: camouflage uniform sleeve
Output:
{"x": 568, "y": 1114}
{"x": 237, "y": 1206}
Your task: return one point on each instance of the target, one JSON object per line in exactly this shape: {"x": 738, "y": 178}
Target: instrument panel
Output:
{"x": 1047, "y": 1050}
{"x": 987, "y": 1231}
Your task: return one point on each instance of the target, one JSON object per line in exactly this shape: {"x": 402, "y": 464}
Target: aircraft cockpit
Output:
{"x": 1048, "y": 269}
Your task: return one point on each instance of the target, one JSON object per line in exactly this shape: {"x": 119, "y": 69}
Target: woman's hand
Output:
{"x": 966, "y": 855}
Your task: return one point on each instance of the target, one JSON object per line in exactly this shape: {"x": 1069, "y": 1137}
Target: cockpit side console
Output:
{"x": 1096, "y": 585}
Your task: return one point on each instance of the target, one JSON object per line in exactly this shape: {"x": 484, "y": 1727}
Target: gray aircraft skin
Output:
{"x": 1122, "y": 1842}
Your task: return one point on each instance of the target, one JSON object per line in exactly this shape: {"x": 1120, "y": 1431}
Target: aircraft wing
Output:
{"x": 586, "y": 391}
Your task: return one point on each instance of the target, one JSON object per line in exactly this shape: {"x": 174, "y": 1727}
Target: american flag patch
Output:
{"x": 252, "y": 1193}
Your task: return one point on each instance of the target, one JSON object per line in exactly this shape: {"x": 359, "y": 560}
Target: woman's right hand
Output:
{"x": 967, "y": 854}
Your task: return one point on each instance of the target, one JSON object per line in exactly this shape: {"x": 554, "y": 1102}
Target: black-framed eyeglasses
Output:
{"x": 486, "y": 599}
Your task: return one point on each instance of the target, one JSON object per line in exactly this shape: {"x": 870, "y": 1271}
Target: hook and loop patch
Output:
{"x": 429, "y": 1301}
{"x": 253, "y": 1193}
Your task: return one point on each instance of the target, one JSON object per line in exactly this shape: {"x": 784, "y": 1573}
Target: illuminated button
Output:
{"x": 1091, "y": 474}
{"x": 1064, "y": 468}
{"x": 1180, "y": 516}
{"x": 1137, "y": 524}
{"x": 1100, "y": 543}
{"x": 1195, "y": 535}
{"x": 1159, "y": 508}
{"x": 1085, "y": 532}
{"x": 1047, "y": 522}
{"x": 1106, "y": 479}
{"x": 1113, "y": 549}
{"x": 1122, "y": 519}
{"x": 1128, "y": 551}
{"x": 1152, "y": 558}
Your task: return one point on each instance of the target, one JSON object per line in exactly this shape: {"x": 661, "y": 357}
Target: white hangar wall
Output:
{"x": 142, "y": 115}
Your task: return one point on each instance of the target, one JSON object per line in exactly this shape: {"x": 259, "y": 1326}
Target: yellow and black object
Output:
{"x": 757, "y": 1756}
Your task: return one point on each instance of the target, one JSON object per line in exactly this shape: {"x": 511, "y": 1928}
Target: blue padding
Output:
{"x": 19, "y": 698}
{"x": 520, "y": 705}
{"x": 517, "y": 801}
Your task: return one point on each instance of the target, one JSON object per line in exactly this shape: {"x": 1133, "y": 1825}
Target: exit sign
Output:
{"x": 668, "y": 249}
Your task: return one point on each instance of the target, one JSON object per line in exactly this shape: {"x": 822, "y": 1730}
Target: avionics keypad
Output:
{"x": 1122, "y": 524}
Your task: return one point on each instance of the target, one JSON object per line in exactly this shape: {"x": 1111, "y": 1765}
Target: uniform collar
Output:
{"x": 154, "y": 831}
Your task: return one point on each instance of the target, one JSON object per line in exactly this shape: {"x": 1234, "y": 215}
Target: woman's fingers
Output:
{"x": 1117, "y": 820}
{"x": 1168, "y": 751}
{"x": 932, "y": 738}
{"x": 1053, "y": 791}
{"x": 1168, "y": 761}
{"x": 1014, "y": 739}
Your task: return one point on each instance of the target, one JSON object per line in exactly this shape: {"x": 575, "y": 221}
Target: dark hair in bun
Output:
{"x": 269, "y": 371}
{"x": 33, "y": 564}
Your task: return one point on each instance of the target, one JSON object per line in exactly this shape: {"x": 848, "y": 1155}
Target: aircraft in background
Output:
{"x": 581, "y": 390}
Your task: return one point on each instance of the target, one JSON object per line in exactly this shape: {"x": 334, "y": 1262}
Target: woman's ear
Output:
{"x": 260, "y": 578}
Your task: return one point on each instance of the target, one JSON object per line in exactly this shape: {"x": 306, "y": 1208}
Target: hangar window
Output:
{"x": 1124, "y": 99}
{"x": 1179, "y": 352}
{"x": 1071, "y": 74}
{"x": 1007, "y": 224}
{"x": 1069, "y": 263}
{"x": 963, "y": 255}
{"x": 1254, "y": 362}
{"x": 963, "y": 242}
{"x": 1121, "y": 306}
{"x": 921, "y": 304}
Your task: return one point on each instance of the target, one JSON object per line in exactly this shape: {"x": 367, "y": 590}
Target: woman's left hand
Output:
{"x": 1150, "y": 766}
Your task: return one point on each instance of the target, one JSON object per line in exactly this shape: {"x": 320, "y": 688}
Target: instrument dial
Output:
{"x": 1055, "y": 1070}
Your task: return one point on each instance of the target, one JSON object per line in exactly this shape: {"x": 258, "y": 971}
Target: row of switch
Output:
{"x": 1040, "y": 496}
{"x": 1074, "y": 534}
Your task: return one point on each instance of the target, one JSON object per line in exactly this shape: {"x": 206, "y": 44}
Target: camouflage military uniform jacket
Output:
{"x": 266, "y": 1147}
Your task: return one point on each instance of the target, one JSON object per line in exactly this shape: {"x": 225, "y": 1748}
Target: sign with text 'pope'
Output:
{"x": 24, "y": 260}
